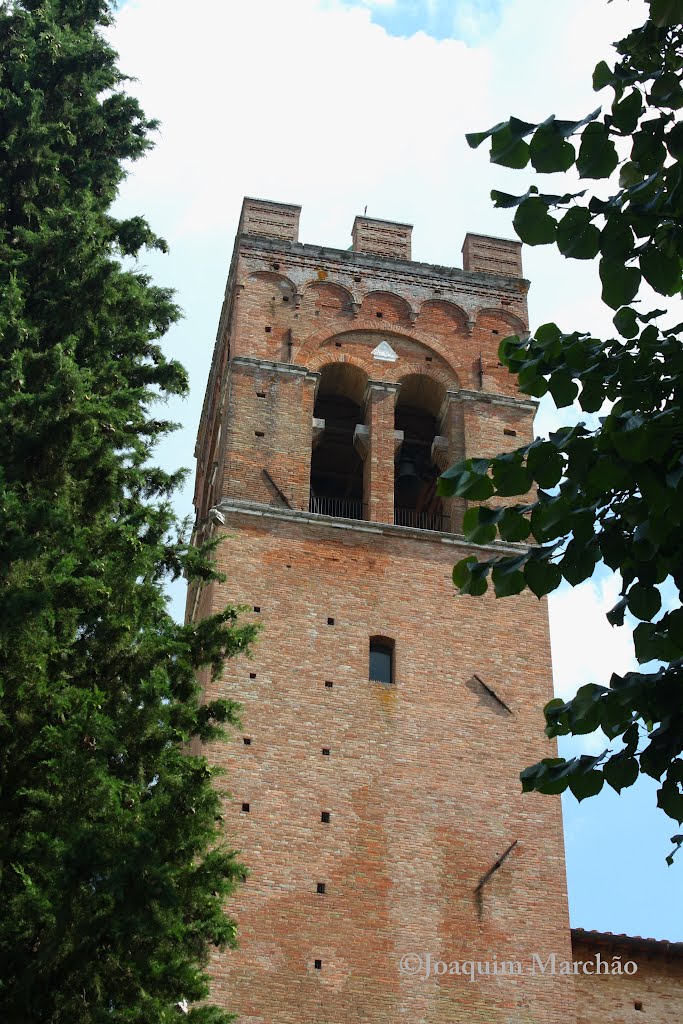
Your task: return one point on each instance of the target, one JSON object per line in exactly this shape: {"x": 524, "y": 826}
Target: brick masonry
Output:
{"x": 421, "y": 780}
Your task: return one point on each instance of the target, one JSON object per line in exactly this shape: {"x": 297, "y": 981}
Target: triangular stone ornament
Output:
{"x": 384, "y": 352}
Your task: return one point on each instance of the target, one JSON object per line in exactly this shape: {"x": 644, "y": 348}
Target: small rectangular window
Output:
{"x": 325, "y": 817}
{"x": 381, "y": 660}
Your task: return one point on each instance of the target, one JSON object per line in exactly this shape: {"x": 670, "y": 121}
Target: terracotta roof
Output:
{"x": 661, "y": 947}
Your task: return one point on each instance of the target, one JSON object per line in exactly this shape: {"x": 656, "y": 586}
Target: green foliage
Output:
{"x": 611, "y": 495}
{"x": 112, "y": 878}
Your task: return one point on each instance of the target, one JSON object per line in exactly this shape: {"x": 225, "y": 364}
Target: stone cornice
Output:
{"x": 231, "y": 506}
{"x": 385, "y": 267}
{"x": 484, "y": 396}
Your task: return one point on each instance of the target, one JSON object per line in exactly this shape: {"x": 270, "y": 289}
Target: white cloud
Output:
{"x": 585, "y": 647}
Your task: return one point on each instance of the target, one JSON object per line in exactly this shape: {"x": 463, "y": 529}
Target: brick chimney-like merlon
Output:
{"x": 482, "y": 254}
{"x": 381, "y": 238}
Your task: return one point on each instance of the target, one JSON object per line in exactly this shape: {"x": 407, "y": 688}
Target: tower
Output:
{"x": 375, "y": 790}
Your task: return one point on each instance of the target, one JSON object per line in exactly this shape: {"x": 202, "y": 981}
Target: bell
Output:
{"x": 406, "y": 470}
{"x": 407, "y": 482}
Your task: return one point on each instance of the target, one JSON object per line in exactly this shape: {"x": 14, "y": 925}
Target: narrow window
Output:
{"x": 247, "y": 741}
{"x": 245, "y": 808}
{"x": 326, "y": 751}
{"x": 325, "y": 817}
{"x": 318, "y": 964}
{"x": 637, "y": 1005}
{"x": 381, "y": 659}
{"x": 320, "y": 888}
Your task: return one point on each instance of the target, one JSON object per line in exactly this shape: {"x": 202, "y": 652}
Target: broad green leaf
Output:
{"x": 629, "y": 174}
{"x": 674, "y": 141}
{"x": 666, "y": 12}
{"x": 545, "y": 464}
{"x": 670, "y": 799}
{"x": 579, "y": 562}
{"x": 549, "y": 151}
{"x": 648, "y": 153}
{"x": 616, "y": 240}
{"x": 602, "y": 76}
{"x": 666, "y": 91}
{"x": 567, "y": 128}
{"x": 475, "y": 530}
{"x": 627, "y": 112}
{"x": 615, "y": 616}
{"x": 597, "y": 154}
{"x": 510, "y": 477}
{"x": 508, "y": 148}
{"x": 463, "y": 570}
{"x": 563, "y": 388}
{"x": 467, "y": 479}
{"x": 507, "y": 584}
{"x": 592, "y": 395}
{"x": 530, "y": 382}
{"x": 644, "y": 601}
{"x": 626, "y": 322}
{"x": 548, "y": 334}
{"x": 475, "y": 139}
{"x": 620, "y": 772}
{"x": 620, "y": 284}
{"x": 585, "y": 785}
{"x": 577, "y": 236}
{"x": 533, "y": 223}
{"x": 661, "y": 270}
{"x": 513, "y": 526}
{"x": 505, "y": 201}
{"x": 541, "y": 577}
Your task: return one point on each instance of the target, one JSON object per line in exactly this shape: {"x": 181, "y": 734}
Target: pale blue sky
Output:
{"x": 336, "y": 105}
{"x": 468, "y": 20}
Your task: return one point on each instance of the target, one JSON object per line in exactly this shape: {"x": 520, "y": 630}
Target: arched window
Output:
{"x": 336, "y": 465}
{"x": 416, "y": 502}
{"x": 381, "y": 667}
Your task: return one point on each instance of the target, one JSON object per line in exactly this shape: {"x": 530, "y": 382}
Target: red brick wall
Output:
{"x": 421, "y": 783}
{"x": 657, "y": 986}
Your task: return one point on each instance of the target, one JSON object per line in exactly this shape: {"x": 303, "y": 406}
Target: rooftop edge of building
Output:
{"x": 484, "y": 254}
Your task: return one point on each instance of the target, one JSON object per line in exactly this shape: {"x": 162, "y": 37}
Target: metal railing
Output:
{"x": 421, "y": 520}
{"x": 340, "y": 508}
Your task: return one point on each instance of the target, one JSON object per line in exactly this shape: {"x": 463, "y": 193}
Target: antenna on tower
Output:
{"x": 365, "y": 210}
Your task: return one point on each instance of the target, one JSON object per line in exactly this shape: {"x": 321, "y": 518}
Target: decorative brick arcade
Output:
{"x": 374, "y": 787}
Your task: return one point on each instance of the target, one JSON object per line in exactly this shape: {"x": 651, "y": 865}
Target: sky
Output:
{"x": 338, "y": 105}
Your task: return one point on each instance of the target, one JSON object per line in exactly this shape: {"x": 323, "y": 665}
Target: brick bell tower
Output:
{"x": 374, "y": 788}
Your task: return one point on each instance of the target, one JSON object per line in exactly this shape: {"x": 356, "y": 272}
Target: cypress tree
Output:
{"x": 112, "y": 879}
